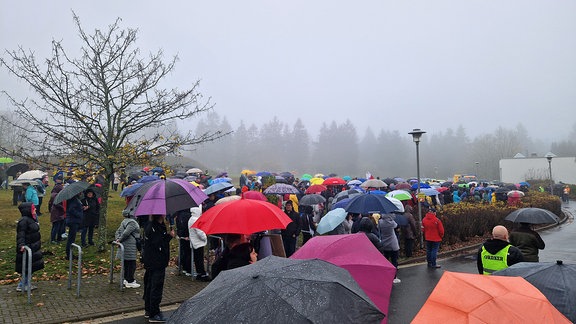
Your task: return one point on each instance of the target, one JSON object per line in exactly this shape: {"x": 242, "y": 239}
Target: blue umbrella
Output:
{"x": 377, "y": 192}
{"x": 263, "y": 173}
{"x": 341, "y": 203}
{"x": 429, "y": 191}
{"x": 157, "y": 170}
{"x": 219, "y": 180}
{"x": 131, "y": 190}
{"x": 400, "y": 219}
{"x": 149, "y": 178}
{"x": 422, "y": 186}
{"x": 366, "y": 204}
{"x": 331, "y": 220}
{"x": 218, "y": 187}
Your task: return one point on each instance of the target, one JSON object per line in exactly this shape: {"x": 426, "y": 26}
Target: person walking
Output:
{"x": 156, "y": 256}
{"x": 528, "y": 241}
{"x": 433, "y": 233}
{"x": 91, "y": 209}
{"x": 128, "y": 233}
{"x": 497, "y": 253}
{"x": 28, "y": 234}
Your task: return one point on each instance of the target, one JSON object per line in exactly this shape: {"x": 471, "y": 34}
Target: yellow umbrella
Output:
{"x": 248, "y": 172}
{"x": 294, "y": 202}
{"x": 314, "y": 181}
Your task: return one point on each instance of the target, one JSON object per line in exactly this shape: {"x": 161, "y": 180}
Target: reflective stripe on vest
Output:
{"x": 494, "y": 262}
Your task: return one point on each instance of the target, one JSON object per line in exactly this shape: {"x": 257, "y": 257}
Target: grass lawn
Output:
{"x": 56, "y": 266}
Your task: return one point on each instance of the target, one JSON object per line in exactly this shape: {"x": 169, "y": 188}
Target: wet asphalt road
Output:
{"x": 418, "y": 281}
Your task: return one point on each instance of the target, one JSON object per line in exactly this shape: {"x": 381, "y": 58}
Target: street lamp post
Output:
{"x": 549, "y": 157}
{"x": 416, "y": 134}
{"x": 477, "y": 164}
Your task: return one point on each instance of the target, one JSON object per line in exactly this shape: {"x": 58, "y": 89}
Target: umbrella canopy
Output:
{"x": 32, "y": 174}
{"x": 515, "y": 194}
{"x": 556, "y": 280}
{"x": 355, "y": 253}
{"x": 148, "y": 178}
{"x": 18, "y": 183}
{"x": 227, "y": 199}
{"x": 221, "y": 179}
{"x": 194, "y": 170}
{"x": 157, "y": 170}
{"x": 314, "y": 189}
{"x": 280, "y": 290}
{"x": 71, "y": 190}
{"x": 422, "y": 186}
{"x": 331, "y": 220}
{"x": 430, "y": 191}
{"x": 403, "y": 186}
{"x": 374, "y": 183}
{"x": 334, "y": 181}
{"x": 367, "y": 203}
{"x": 248, "y": 172}
{"x": 255, "y": 195}
{"x": 221, "y": 186}
{"x": 281, "y": 189}
{"x": 316, "y": 180}
{"x": 244, "y": 216}
{"x": 306, "y": 176}
{"x": 351, "y": 193}
{"x": 263, "y": 173}
{"x": 397, "y": 203}
{"x": 15, "y": 168}
{"x": 130, "y": 190}
{"x": 165, "y": 197}
{"x": 311, "y": 199}
{"x": 399, "y": 194}
{"x": 474, "y": 298}
{"x": 6, "y": 160}
{"x": 354, "y": 182}
{"x": 532, "y": 216}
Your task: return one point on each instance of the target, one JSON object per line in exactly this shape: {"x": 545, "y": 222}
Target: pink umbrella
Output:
{"x": 355, "y": 253}
{"x": 254, "y": 195}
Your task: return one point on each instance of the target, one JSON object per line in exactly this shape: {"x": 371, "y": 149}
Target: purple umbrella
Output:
{"x": 167, "y": 197}
{"x": 281, "y": 189}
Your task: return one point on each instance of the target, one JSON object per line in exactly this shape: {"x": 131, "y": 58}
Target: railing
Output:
{"x": 79, "y": 268}
{"x": 121, "y": 246}
{"x": 209, "y": 268}
{"x": 27, "y": 272}
{"x": 192, "y": 266}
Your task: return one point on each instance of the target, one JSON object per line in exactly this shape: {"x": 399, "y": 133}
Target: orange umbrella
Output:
{"x": 473, "y": 298}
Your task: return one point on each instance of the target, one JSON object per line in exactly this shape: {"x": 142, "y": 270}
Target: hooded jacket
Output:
{"x": 495, "y": 245}
{"x": 366, "y": 226}
{"x": 28, "y": 233}
{"x": 386, "y": 226}
{"x": 198, "y": 238}
{"x": 528, "y": 241}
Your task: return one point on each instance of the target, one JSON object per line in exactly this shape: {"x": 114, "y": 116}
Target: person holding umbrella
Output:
{"x": 91, "y": 209}
{"x": 74, "y": 217}
{"x": 30, "y": 194}
{"x": 497, "y": 253}
{"x": 528, "y": 241}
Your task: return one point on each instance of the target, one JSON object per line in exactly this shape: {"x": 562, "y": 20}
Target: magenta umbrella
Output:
{"x": 163, "y": 197}
{"x": 355, "y": 253}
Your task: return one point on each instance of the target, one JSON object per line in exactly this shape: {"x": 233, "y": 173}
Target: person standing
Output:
{"x": 307, "y": 225}
{"x": 390, "y": 246}
{"x": 181, "y": 219}
{"x": 292, "y": 231}
{"x": 91, "y": 209}
{"x": 57, "y": 215}
{"x": 198, "y": 241}
{"x": 127, "y": 234}
{"x": 74, "y": 216}
{"x": 497, "y": 253}
{"x": 409, "y": 231}
{"x": 156, "y": 256}
{"x": 28, "y": 234}
{"x": 433, "y": 230}
{"x": 30, "y": 194}
{"x": 528, "y": 241}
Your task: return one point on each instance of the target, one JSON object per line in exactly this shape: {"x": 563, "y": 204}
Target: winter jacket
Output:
{"x": 493, "y": 246}
{"x": 433, "y": 228}
{"x": 31, "y": 195}
{"x": 182, "y": 217}
{"x": 293, "y": 228}
{"x": 386, "y": 226}
{"x": 28, "y": 233}
{"x": 366, "y": 226}
{"x": 92, "y": 214}
{"x": 57, "y": 212}
{"x": 127, "y": 233}
{"x": 74, "y": 211}
{"x": 529, "y": 242}
{"x": 409, "y": 231}
{"x": 156, "y": 246}
{"x": 198, "y": 238}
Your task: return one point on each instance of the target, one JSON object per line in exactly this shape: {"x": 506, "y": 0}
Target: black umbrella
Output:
{"x": 15, "y": 168}
{"x": 311, "y": 199}
{"x": 367, "y": 203}
{"x": 532, "y": 216}
{"x": 280, "y": 290}
{"x": 350, "y": 193}
{"x": 71, "y": 190}
{"x": 557, "y": 281}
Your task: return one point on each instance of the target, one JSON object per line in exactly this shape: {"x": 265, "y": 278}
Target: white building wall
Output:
{"x": 522, "y": 169}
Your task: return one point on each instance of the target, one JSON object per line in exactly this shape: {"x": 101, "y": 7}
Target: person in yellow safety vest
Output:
{"x": 497, "y": 253}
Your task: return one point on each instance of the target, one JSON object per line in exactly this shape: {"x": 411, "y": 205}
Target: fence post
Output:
{"x": 79, "y": 269}
{"x": 112, "y": 257}
{"x": 27, "y": 270}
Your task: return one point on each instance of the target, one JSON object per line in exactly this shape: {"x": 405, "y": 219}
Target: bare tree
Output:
{"x": 105, "y": 108}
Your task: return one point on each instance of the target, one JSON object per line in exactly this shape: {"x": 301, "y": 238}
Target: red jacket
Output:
{"x": 433, "y": 228}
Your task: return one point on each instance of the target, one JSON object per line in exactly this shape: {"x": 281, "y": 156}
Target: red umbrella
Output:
{"x": 355, "y": 253}
{"x": 442, "y": 189}
{"x": 244, "y": 216}
{"x": 314, "y": 189}
{"x": 333, "y": 181}
{"x": 515, "y": 194}
{"x": 403, "y": 186}
{"x": 254, "y": 195}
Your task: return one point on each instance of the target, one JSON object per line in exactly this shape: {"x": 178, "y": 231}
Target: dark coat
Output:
{"x": 28, "y": 233}
{"x": 156, "y": 253}
{"x": 92, "y": 214}
{"x": 367, "y": 226}
{"x": 74, "y": 211}
{"x": 528, "y": 241}
{"x": 493, "y": 246}
{"x": 293, "y": 228}
{"x": 182, "y": 217}
{"x": 57, "y": 212}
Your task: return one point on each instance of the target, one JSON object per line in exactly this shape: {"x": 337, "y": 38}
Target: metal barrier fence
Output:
{"x": 221, "y": 248}
{"x": 79, "y": 268}
{"x": 121, "y": 247}
{"x": 27, "y": 256}
{"x": 192, "y": 266}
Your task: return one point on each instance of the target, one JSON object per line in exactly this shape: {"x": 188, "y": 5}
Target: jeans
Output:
{"x": 153, "y": 289}
{"x": 90, "y": 231}
{"x": 56, "y": 233}
{"x": 23, "y": 282}
{"x": 72, "y": 230}
{"x": 432, "y": 252}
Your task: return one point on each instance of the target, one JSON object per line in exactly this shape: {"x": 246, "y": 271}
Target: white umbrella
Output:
{"x": 32, "y": 174}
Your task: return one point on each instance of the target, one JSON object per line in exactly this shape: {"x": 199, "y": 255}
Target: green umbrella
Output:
{"x": 6, "y": 160}
{"x": 306, "y": 176}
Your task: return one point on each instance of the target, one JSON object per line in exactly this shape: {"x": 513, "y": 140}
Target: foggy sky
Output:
{"x": 382, "y": 64}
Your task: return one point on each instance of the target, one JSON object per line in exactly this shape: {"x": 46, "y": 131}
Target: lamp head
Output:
{"x": 549, "y": 156}
{"x": 416, "y": 134}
